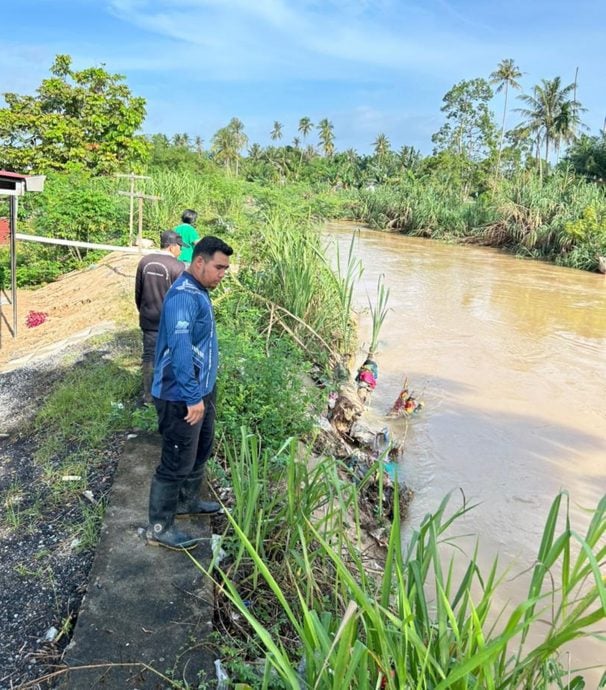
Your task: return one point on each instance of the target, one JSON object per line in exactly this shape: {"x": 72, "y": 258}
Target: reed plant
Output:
{"x": 345, "y": 276}
{"x": 211, "y": 195}
{"x": 532, "y": 215}
{"x": 421, "y": 207}
{"x": 378, "y": 313}
{"x": 298, "y": 286}
{"x": 320, "y": 619}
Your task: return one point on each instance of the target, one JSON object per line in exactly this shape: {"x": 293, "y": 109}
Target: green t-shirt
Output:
{"x": 190, "y": 237}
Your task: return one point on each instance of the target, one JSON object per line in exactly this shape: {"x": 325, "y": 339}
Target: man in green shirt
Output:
{"x": 188, "y": 234}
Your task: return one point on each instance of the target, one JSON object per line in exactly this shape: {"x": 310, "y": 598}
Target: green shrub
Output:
{"x": 261, "y": 389}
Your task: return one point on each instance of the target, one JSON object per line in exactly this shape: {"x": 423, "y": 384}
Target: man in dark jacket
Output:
{"x": 155, "y": 274}
{"x": 184, "y": 395}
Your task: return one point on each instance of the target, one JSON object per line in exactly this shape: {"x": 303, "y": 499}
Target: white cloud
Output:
{"x": 273, "y": 39}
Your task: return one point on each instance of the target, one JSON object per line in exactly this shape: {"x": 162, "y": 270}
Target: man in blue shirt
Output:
{"x": 183, "y": 389}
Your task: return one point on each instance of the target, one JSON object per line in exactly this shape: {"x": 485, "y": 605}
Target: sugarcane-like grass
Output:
{"x": 311, "y": 605}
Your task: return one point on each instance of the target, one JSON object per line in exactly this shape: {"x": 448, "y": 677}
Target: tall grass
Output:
{"x": 522, "y": 213}
{"x": 297, "y": 286}
{"x": 345, "y": 276}
{"x": 378, "y": 313}
{"x": 322, "y": 620}
{"x": 212, "y": 196}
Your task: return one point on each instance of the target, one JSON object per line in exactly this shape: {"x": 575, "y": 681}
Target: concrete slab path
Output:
{"x": 146, "y": 607}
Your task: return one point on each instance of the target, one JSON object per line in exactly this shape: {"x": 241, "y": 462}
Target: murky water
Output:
{"x": 509, "y": 357}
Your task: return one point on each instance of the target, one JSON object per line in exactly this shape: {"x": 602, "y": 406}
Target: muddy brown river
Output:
{"x": 509, "y": 357}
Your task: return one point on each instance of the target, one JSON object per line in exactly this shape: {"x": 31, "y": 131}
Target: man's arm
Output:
{"x": 179, "y": 314}
{"x": 138, "y": 287}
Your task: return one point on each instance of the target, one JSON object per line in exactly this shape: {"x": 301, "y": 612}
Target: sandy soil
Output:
{"x": 77, "y": 305}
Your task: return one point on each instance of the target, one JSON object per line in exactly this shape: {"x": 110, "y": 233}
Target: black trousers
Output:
{"x": 149, "y": 345}
{"x": 185, "y": 448}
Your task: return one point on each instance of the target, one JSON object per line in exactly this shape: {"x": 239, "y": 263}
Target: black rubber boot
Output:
{"x": 161, "y": 531}
{"x": 190, "y": 502}
{"x": 148, "y": 377}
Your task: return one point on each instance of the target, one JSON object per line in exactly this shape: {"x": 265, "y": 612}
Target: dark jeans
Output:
{"x": 149, "y": 346}
{"x": 185, "y": 448}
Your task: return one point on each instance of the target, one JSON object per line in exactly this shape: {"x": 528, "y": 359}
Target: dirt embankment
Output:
{"x": 78, "y": 305}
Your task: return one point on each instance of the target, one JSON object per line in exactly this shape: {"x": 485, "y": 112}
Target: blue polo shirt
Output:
{"x": 187, "y": 352}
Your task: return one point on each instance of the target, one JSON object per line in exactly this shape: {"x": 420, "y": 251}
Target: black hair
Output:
{"x": 208, "y": 245}
{"x": 189, "y": 216}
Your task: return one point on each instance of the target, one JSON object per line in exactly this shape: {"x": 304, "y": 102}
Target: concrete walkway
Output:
{"x": 146, "y": 607}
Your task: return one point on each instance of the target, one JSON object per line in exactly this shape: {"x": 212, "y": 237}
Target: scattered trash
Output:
{"x": 363, "y": 434}
{"x": 367, "y": 375}
{"x": 382, "y": 439}
{"x": 129, "y": 436}
{"x": 88, "y": 494}
{"x": 51, "y": 634}
{"x": 222, "y": 677}
{"x": 215, "y": 545}
{"x": 71, "y": 478}
{"x": 405, "y": 403}
{"x": 35, "y": 318}
{"x": 324, "y": 424}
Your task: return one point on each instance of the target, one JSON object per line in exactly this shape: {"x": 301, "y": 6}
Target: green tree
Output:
{"x": 505, "y": 76}
{"x": 167, "y": 155}
{"x": 78, "y": 120}
{"x": 409, "y": 157}
{"x": 276, "y": 132}
{"x": 587, "y": 155}
{"x": 227, "y": 144}
{"x": 255, "y": 152}
{"x": 382, "y": 146}
{"x": 469, "y": 130}
{"x": 552, "y": 115}
{"x": 467, "y": 138}
{"x": 327, "y": 137}
{"x": 305, "y": 126}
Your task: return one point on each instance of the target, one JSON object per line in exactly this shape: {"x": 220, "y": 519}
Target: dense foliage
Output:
{"x": 319, "y": 619}
{"x": 84, "y": 119}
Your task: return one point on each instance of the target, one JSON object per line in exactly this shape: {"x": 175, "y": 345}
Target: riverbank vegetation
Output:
{"x": 302, "y": 596}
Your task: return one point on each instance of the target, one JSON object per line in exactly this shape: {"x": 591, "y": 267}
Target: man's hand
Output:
{"x": 195, "y": 413}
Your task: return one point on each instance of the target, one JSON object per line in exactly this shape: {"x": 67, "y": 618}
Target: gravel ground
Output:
{"x": 43, "y": 567}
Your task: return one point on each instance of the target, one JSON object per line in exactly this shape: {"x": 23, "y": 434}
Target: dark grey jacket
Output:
{"x": 155, "y": 274}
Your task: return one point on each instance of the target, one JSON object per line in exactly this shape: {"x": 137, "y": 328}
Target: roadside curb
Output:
{"x": 147, "y": 611}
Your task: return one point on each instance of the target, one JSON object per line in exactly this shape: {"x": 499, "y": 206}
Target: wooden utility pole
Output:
{"x": 135, "y": 195}
{"x": 140, "y": 197}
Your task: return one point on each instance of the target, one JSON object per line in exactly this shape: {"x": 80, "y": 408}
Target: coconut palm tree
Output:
{"x": 382, "y": 146}
{"x": 255, "y": 152}
{"x": 276, "y": 132}
{"x": 552, "y": 114}
{"x": 305, "y": 126}
{"x": 223, "y": 148}
{"x": 240, "y": 140}
{"x": 505, "y": 76}
{"x": 227, "y": 143}
{"x": 327, "y": 137}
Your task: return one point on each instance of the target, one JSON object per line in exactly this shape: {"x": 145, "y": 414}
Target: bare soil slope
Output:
{"x": 94, "y": 298}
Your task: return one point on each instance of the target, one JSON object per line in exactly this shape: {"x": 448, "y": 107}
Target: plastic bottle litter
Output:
{"x": 222, "y": 677}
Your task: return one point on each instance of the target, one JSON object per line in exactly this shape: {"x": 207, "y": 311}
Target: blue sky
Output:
{"x": 369, "y": 66}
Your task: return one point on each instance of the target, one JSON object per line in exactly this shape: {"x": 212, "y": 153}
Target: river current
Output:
{"x": 509, "y": 357}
